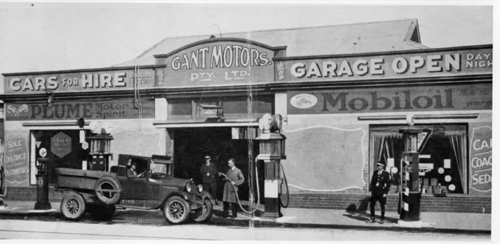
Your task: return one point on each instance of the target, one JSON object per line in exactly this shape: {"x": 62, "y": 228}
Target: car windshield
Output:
{"x": 161, "y": 164}
{"x": 158, "y": 168}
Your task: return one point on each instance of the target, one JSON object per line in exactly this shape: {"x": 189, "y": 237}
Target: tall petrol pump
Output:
{"x": 271, "y": 151}
{"x": 42, "y": 182}
{"x": 410, "y": 194}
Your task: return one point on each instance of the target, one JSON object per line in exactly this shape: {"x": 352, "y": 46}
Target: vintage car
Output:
{"x": 137, "y": 182}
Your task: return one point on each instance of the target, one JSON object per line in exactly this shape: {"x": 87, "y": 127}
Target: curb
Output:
{"x": 269, "y": 223}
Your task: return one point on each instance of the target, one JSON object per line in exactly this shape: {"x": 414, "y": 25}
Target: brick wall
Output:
{"x": 468, "y": 204}
{"x": 29, "y": 194}
{"x": 465, "y": 204}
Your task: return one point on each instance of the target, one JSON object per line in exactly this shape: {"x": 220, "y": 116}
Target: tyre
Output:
{"x": 204, "y": 213}
{"x": 102, "y": 212}
{"x": 73, "y": 206}
{"x": 176, "y": 210}
{"x": 108, "y": 190}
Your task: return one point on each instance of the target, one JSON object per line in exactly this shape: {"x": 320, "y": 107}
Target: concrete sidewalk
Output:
{"x": 308, "y": 218}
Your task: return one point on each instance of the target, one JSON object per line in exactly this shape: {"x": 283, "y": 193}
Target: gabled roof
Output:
{"x": 323, "y": 40}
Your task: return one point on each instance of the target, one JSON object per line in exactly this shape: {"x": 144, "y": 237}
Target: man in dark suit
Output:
{"x": 379, "y": 187}
{"x": 209, "y": 172}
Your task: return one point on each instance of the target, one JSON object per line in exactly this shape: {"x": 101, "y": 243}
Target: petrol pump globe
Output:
{"x": 271, "y": 146}
{"x": 100, "y": 144}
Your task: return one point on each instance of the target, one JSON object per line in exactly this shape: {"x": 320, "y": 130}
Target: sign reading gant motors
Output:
{"x": 218, "y": 61}
{"x": 432, "y": 63}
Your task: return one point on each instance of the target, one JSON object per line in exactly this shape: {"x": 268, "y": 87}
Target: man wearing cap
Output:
{"x": 379, "y": 187}
{"x": 209, "y": 172}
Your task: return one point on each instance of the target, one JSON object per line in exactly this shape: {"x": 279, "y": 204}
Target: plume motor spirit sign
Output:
{"x": 218, "y": 61}
{"x": 78, "y": 81}
{"x": 72, "y": 110}
{"x": 476, "y": 60}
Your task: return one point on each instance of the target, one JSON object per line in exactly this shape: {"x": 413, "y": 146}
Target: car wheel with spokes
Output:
{"x": 73, "y": 206}
{"x": 176, "y": 210}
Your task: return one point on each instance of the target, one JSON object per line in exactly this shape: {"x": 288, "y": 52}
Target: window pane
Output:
{"x": 263, "y": 104}
{"x": 179, "y": 107}
{"x": 235, "y": 105}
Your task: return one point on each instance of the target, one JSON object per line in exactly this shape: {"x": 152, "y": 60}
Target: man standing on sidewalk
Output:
{"x": 379, "y": 187}
{"x": 209, "y": 172}
{"x": 234, "y": 178}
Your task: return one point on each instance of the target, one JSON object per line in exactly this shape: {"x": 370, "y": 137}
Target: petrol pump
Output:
{"x": 271, "y": 151}
{"x": 42, "y": 182}
{"x": 100, "y": 146}
{"x": 410, "y": 189}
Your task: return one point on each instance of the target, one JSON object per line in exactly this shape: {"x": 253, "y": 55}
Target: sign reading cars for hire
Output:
{"x": 78, "y": 81}
{"x": 69, "y": 110}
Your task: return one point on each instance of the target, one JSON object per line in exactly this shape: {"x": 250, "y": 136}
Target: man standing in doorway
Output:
{"x": 234, "y": 178}
{"x": 208, "y": 173}
{"x": 379, "y": 187}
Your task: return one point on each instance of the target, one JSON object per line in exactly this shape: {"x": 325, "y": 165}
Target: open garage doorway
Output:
{"x": 191, "y": 145}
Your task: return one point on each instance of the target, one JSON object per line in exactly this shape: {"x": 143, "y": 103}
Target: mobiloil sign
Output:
{"x": 418, "y": 98}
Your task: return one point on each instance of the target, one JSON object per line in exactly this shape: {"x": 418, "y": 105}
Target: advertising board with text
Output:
{"x": 394, "y": 99}
{"x": 79, "y": 81}
{"x": 481, "y": 160}
{"x": 70, "y": 110}
{"x": 387, "y": 66}
{"x": 218, "y": 61}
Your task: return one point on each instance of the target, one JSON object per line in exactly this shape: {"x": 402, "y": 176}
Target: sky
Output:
{"x": 42, "y": 36}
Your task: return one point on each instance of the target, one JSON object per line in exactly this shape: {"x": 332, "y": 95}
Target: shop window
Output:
{"x": 180, "y": 108}
{"x": 232, "y": 107}
{"x": 235, "y": 106}
{"x": 262, "y": 105}
{"x": 442, "y": 160}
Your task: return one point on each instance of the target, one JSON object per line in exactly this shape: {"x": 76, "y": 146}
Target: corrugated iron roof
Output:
{"x": 321, "y": 40}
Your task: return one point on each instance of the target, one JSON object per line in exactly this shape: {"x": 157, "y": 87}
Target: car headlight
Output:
{"x": 200, "y": 188}
{"x": 188, "y": 187}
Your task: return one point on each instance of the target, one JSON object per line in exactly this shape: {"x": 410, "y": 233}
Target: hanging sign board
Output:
{"x": 60, "y": 144}
{"x": 210, "y": 110}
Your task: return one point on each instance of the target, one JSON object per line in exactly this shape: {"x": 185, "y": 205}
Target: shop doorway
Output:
{"x": 191, "y": 145}
{"x": 64, "y": 150}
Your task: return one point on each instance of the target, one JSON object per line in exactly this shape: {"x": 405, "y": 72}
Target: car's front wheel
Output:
{"x": 176, "y": 210}
{"x": 204, "y": 213}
